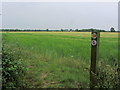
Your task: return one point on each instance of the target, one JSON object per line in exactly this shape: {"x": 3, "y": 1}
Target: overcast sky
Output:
{"x": 57, "y": 15}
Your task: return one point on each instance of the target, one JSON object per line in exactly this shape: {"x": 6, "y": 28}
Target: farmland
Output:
{"x": 59, "y": 59}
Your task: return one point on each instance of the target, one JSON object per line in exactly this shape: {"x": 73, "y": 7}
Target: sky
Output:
{"x": 60, "y": 15}
{"x": 0, "y": 15}
{"x": 60, "y": 0}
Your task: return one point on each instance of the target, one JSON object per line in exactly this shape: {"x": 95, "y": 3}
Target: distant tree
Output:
{"x": 47, "y": 29}
{"x": 70, "y": 29}
{"x": 62, "y": 30}
{"x": 76, "y": 30}
{"x": 112, "y": 29}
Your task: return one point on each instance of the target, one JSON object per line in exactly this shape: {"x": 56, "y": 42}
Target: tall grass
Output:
{"x": 60, "y": 59}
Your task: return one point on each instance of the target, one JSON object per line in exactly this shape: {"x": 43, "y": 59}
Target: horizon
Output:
{"x": 57, "y": 29}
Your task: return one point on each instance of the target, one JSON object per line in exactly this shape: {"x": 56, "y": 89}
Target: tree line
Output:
{"x": 62, "y": 30}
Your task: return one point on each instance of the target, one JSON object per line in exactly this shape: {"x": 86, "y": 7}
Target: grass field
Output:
{"x": 60, "y": 59}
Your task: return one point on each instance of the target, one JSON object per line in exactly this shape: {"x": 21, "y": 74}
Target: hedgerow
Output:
{"x": 12, "y": 69}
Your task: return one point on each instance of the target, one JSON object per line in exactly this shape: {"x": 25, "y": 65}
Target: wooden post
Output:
{"x": 95, "y": 38}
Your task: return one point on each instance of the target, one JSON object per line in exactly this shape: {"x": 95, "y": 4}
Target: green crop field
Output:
{"x": 60, "y": 59}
